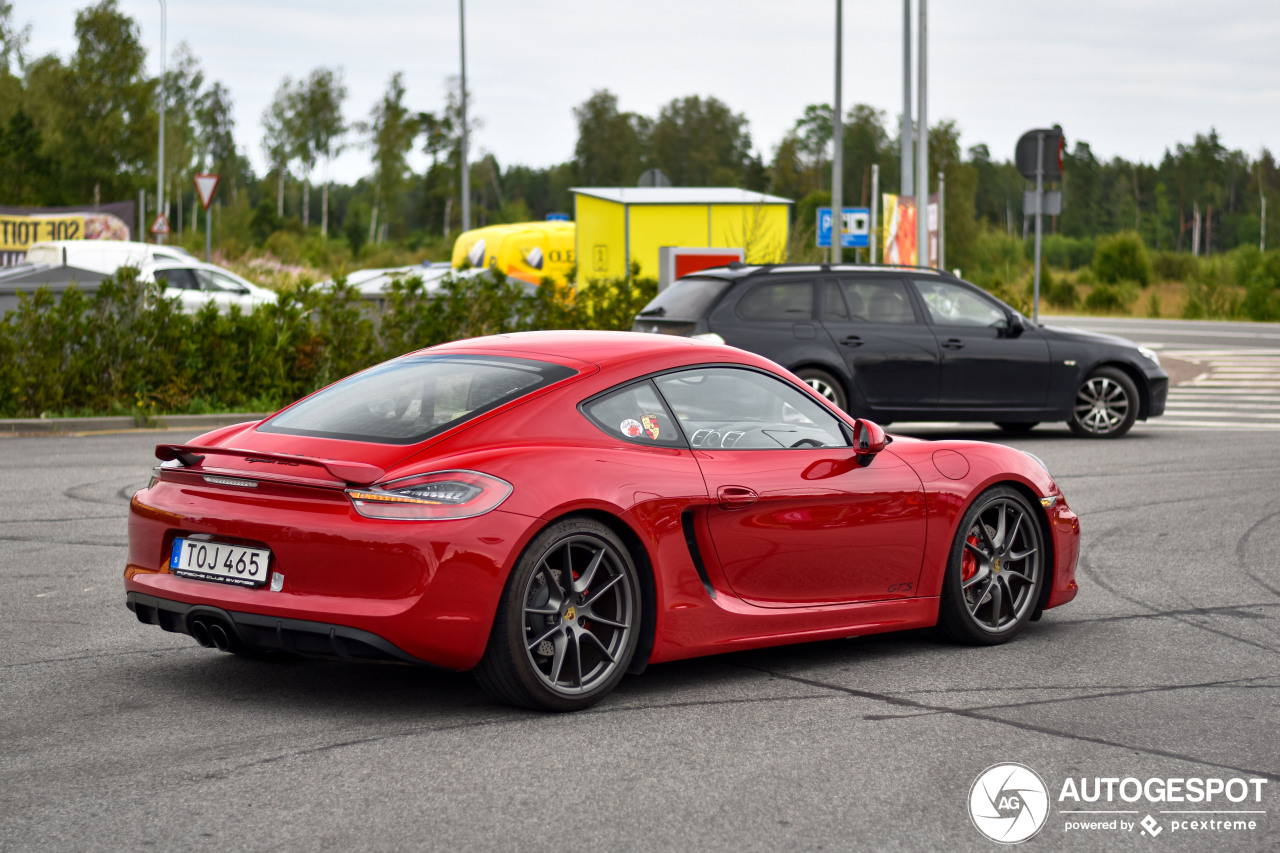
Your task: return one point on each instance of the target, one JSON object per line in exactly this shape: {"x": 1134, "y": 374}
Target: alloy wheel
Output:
{"x": 1001, "y": 566}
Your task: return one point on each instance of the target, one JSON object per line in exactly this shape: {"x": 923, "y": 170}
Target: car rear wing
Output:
{"x": 351, "y": 473}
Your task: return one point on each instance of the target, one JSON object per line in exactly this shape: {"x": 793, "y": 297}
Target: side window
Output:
{"x": 727, "y": 407}
{"x": 637, "y": 414}
{"x": 228, "y": 284}
{"x": 952, "y": 305}
{"x": 878, "y": 300}
{"x": 833, "y": 307}
{"x": 784, "y": 300}
{"x": 178, "y": 278}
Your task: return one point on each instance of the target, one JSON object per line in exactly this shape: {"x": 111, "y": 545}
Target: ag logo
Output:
{"x": 1008, "y": 803}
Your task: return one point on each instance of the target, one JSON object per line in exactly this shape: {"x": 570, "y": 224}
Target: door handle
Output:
{"x": 852, "y": 341}
{"x": 735, "y": 497}
{"x": 953, "y": 343}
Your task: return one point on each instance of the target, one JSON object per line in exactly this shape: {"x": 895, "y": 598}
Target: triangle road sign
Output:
{"x": 160, "y": 225}
{"x": 205, "y": 185}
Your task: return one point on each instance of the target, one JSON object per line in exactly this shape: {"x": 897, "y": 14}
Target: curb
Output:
{"x": 73, "y": 426}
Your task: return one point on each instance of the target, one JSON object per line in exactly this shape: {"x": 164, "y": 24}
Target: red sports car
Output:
{"x": 553, "y": 510}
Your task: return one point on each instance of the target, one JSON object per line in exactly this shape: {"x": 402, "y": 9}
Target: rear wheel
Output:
{"x": 996, "y": 570}
{"x": 1106, "y": 404}
{"x": 568, "y": 621}
{"x": 826, "y": 385}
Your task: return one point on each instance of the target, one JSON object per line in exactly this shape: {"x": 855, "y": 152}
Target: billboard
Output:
{"x": 899, "y": 226}
{"x": 22, "y": 226}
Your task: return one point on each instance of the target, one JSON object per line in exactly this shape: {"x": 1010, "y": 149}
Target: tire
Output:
{"x": 826, "y": 385}
{"x": 1105, "y": 405}
{"x": 568, "y": 620}
{"x": 995, "y": 572}
{"x": 1019, "y": 426}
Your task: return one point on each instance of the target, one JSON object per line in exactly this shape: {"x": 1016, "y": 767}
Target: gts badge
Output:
{"x": 901, "y": 587}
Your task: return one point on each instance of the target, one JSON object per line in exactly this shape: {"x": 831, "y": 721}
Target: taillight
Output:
{"x": 438, "y": 495}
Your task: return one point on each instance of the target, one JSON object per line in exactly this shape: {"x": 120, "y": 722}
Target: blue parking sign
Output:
{"x": 857, "y": 228}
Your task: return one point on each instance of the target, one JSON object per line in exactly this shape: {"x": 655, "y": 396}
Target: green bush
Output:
{"x": 1111, "y": 298}
{"x": 125, "y": 348}
{"x": 1062, "y": 294}
{"x": 1174, "y": 266}
{"x": 1122, "y": 257}
{"x": 1067, "y": 253}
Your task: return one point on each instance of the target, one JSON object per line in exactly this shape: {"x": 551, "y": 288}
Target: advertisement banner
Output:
{"x": 22, "y": 226}
{"x": 899, "y": 230}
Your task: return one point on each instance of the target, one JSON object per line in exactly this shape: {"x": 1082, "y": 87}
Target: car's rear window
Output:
{"x": 410, "y": 399}
{"x": 688, "y": 299}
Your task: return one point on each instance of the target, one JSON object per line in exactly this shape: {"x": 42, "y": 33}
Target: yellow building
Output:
{"x": 530, "y": 251}
{"x": 619, "y": 225}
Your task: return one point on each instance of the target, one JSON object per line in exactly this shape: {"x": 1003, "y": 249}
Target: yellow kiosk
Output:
{"x": 619, "y": 225}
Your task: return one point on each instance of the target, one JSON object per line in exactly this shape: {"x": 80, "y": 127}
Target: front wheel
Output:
{"x": 826, "y": 385}
{"x": 1106, "y": 404}
{"x": 996, "y": 570}
{"x": 568, "y": 620}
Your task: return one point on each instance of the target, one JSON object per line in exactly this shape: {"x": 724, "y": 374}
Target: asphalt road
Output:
{"x": 115, "y": 735}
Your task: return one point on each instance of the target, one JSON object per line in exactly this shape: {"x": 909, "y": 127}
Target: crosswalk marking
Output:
{"x": 1239, "y": 390}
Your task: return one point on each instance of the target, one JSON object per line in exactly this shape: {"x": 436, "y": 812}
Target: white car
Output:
{"x": 196, "y": 284}
{"x": 103, "y": 256}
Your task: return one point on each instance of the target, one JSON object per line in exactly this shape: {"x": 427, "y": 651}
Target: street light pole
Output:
{"x": 922, "y": 143}
{"x": 466, "y": 168}
{"x": 837, "y": 158}
{"x": 163, "y": 97}
{"x": 907, "y": 154}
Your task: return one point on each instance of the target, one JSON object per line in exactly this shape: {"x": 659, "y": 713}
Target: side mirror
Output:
{"x": 868, "y": 440}
{"x": 1016, "y": 326}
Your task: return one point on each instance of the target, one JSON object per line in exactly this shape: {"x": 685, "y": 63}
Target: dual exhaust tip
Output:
{"x": 210, "y": 633}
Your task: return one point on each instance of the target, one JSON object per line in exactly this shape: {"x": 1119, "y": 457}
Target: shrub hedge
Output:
{"x": 126, "y": 349}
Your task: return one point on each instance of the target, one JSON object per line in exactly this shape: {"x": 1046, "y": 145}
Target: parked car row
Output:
{"x": 86, "y": 263}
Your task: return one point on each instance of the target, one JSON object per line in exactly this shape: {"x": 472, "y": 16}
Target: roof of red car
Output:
{"x": 602, "y": 348}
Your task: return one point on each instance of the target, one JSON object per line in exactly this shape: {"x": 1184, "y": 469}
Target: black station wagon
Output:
{"x": 912, "y": 344}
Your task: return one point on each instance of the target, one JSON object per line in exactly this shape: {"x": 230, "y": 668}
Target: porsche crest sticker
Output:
{"x": 631, "y": 428}
{"x": 650, "y": 423}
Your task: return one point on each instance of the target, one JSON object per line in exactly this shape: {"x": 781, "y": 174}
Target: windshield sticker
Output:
{"x": 650, "y": 423}
{"x": 631, "y": 428}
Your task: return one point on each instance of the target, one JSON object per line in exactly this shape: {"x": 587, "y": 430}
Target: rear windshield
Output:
{"x": 687, "y": 299}
{"x": 410, "y": 399}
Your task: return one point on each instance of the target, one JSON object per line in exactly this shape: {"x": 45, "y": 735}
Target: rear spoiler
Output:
{"x": 351, "y": 473}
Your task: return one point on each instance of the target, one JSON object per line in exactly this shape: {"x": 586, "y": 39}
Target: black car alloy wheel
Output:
{"x": 1106, "y": 404}
{"x": 825, "y": 384}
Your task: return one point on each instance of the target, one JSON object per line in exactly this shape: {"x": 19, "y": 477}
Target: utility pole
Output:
{"x": 837, "y": 159}
{"x": 875, "y": 210}
{"x": 163, "y": 96}
{"x": 466, "y": 168}
{"x": 942, "y": 221}
{"x": 907, "y": 153}
{"x": 922, "y": 143}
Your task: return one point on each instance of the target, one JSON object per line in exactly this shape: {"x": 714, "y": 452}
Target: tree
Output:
{"x": 13, "y": 41}
{"x": 391, "y": 130}
{"x": 611, "y": 145}
{"x": 322, "y": 127}
{"x": 277, "y": 138}
{"x": 700, "y": 143}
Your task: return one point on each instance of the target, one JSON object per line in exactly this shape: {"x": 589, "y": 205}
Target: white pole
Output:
{"x": 875, "y": 210}
{"x": 922, "y": 143}
{"x": 1035, "y": 307}
{"x": 466, "y": 168}
{"x": 907, "y": 153}
{"x": 160, "y": 168}
{"x": 942, "y": 221}
{"x": 837, "y": 160}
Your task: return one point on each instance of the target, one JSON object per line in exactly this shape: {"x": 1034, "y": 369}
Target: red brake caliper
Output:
{"x": 969, "y": 563}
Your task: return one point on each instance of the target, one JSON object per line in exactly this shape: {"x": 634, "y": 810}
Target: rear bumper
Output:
{"x": 252, "y": 632}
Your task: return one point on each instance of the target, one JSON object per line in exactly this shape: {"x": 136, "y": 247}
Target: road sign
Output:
{"x": 160, "y": 226}
{"x": 856, "y": 232}
{"x": 205, "y": 185}
{"x": 557, "y": 217}
{"x": 1025, "y": 153}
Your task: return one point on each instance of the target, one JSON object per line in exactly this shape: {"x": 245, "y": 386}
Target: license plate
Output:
{"x": 218, "y": 561}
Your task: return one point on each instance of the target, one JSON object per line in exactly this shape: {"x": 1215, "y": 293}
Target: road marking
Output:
{"x": 1239, "y": 390}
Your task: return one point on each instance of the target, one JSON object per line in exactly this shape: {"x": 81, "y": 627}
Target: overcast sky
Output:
{"x": 1131, "y": 77}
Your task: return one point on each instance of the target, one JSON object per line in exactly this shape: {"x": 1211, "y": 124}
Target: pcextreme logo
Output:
{"x": 1009, "y": 803}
